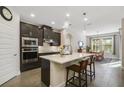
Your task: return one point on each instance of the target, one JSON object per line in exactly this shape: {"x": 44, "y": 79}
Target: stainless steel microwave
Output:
{"x": 29, "y": 42}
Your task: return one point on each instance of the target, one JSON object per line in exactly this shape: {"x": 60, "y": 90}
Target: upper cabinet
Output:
{"x": 56, "y": 39}
{"x": 29, "y": 30}
{"x": 51, "y": 37}
{"x": 40, "y": 37}
{"x": 44, "y": 34}
{"x": 47, "y": 32}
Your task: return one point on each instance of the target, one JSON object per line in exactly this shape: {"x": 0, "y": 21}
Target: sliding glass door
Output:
{"x": 96, "y": 45}
{"x": 102, "y": 44}
{"x": 107, "y": 45}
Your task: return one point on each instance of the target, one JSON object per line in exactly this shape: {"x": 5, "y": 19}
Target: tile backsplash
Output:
{"x": 46, "y": 48}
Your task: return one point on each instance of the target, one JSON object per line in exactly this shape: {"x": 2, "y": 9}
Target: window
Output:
{"x": 96, "y": 45}
{"x": 107, "y": 45}
{"x": 102, "y": 44}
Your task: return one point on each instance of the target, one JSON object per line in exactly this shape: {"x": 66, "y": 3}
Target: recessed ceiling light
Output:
{"x": 85, "y": 19}
{"x": 67, "y": 15}
{"x": 52, "y": 22}
{"x": 32, "y": 15}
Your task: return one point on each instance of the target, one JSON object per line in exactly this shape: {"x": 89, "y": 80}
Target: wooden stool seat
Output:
{"x": 75, "y": 68}
{"x": 91, "y": 64}
{"x": 80, "y": 69}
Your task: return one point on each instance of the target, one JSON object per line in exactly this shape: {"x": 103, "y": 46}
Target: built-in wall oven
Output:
{"x": 29, "y": 50}
{"x": 29, "y": 42}
{"x": 29, "y": 55}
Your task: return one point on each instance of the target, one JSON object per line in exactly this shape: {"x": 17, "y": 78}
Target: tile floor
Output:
{"x": 30, "y": 78}
{"x": 108, "y": 74}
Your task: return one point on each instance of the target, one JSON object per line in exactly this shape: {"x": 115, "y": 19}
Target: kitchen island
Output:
{"x": 53, "y": 67}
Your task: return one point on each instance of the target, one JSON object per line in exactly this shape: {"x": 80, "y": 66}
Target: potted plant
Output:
{"x": 88, "y": 49}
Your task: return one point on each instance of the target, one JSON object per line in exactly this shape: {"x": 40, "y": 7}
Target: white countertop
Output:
{"x": 65, "y": 58}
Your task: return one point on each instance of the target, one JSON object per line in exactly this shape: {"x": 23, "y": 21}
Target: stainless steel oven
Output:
{"x": 29, "y": 42}
{"x": 29, "y": 55}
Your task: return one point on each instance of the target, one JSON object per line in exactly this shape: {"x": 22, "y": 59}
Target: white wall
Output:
{"x": 9, "y": 46}
{"x": 118, "y": 46}
{"x": 103, "y": 29}
{"x": 122, "y": 32}
{"x": 77, "y": 35}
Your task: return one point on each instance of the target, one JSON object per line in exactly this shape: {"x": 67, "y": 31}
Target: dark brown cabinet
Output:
{"x": 56, "y": 39}
{"x": 40, "y": 37}
{"x": 49, "y": 34}
{"x": 45, "y": 68}
{"x": 43, "y": 33}
{"x": 24, "y": 29}
{"x": 34, "y": 31}
{"x": 45, "y": 71}
{"x": 29, "y": 30}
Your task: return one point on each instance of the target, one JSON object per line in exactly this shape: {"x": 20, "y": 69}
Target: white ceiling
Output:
{"x": 98, "y": 15}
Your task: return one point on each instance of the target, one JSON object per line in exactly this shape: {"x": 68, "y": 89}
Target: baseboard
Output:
{"x": 18, "y": 73}
{"x": 113, "y": 58}
{"x": 8, "y": 77}
{"x": 59, "y": 85}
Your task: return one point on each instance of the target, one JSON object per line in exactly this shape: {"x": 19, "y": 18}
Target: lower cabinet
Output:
{"x": 45, "y": 71}
{"x": 29, "y": 66}
{"x": 45, "y": 68}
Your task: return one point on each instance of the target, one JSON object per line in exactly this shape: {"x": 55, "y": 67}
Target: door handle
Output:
{"x": 15, "y": 54}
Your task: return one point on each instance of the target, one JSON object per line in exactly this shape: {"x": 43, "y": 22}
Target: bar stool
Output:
{"x": 91, "y": 64}
{"x": 78, "y": 69}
